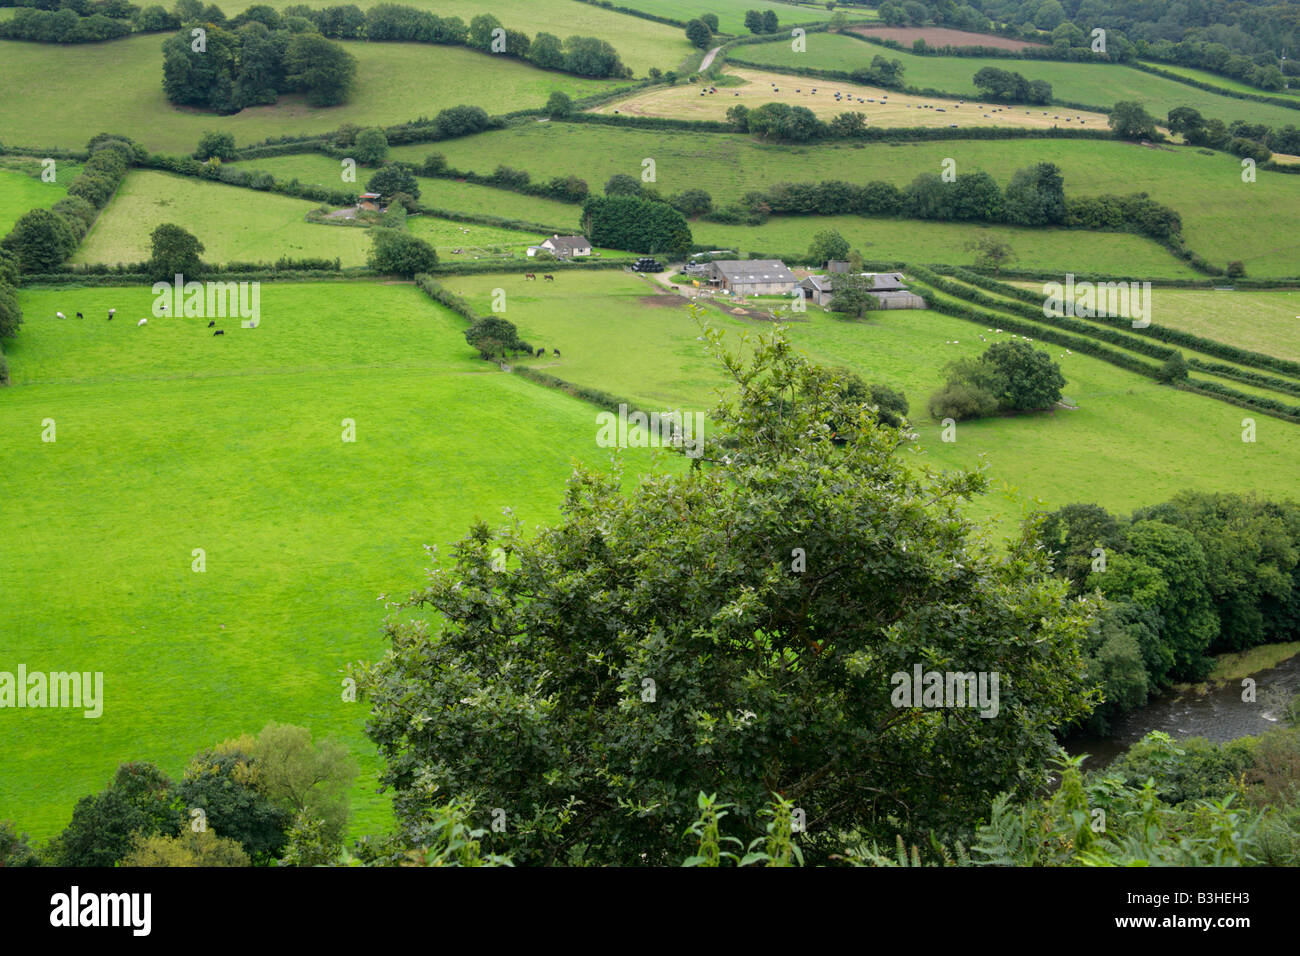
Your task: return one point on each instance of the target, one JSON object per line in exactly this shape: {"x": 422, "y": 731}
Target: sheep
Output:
{"x": 60, "y": 315}
{"x": 142, "y": 322}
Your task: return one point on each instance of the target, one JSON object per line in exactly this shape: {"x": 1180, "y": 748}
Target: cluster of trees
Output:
{"x": 494, "y": 336}
{"x": 807, "y": 566}
{"x": 1255, "y": 140}
{"x": 279, "y": 797}
{"x": 62, "y": 26}
{"x": 42, "y": 239}
{"x": 1008, "y": 87}
{"x": 563, "y": 188}
{"x": 253, "y": 64}
{"x": 882, "y": 72}
{"x": 761, "y": 21}
{"x": 1262, "y": 69}
{"x": 584, "y": 56}
{"x": 635, "y": 223}
{"x": 1009, "y": 377}
{"x": 1204, "y": 573}
{"x": 11, "y": 313}
{"x": 395, "y": 251}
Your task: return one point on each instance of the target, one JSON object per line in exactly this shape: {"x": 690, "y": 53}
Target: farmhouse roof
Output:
{"x": 880, "y": 282}
{"x": 371, "y": 196}
{"x": 754, "y": 270}
{"x": 567, "y": 243}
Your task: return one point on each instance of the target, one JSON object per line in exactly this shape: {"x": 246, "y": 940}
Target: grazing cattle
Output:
{"x": 557, "y": 352}
{"x": 548, "y": 277}
{"x": 142, "y": 322}
{"x": 212, "y": 323}
{"x": 530, "y": 275}
{"x": 219, "y": 332}
{"x": 111, "y": 313}
{"x": 540, "y": 353}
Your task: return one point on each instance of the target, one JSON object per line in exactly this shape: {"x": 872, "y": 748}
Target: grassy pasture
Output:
{"x": 1097, "y": 84}
{"x": 882, "y": 108}
{"x": 641, "y": 43}
{"x": 234, "y": 224}
{"x": 731, "y": 13}
{"x": 71, "y": 93}
{"x": 170, "y": 440}
{"x": 22, "y": 192}
{"x": 1257, "y": 320}
{"x": 315, "y": 169}
{"x": 1227, "y": 83}
{"x": 1131, "y": 441}
{"x": 1223, "y": 218}
{"x": 1112, "y": 253}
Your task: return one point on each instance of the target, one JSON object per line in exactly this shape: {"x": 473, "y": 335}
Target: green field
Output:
{"x": 396, "y": 82}
{"x": 1223, "y": 218}
{"x": 1090, "y": 84}
{"x": 1259, "y": 321}
{"x": 904, "y": 240}
{"x": 234, "y": 224}
{"x": 1227, "y": 83}
{"x": 1130, "y": 442}
{"x": 641, "y": 43}
{"x": 731, "y": 13}
{"x": 315, "y": 169}
{"x": 21, "y": 192}
{"x": 170, "y": 440}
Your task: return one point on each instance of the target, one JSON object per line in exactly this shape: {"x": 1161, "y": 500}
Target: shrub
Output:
{"x": 398, "y": 253}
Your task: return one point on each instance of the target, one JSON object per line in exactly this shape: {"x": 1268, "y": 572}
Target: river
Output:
{"x": 1218, "y": 715}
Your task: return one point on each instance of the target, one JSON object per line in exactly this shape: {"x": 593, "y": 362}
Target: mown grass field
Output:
{"x": 21, "y": 192}
{"x": 641, "y": 43}
{"x": 169, "y": 440}
{"x": 1130, "y": 442}
{"x": 1093, "y": 84}
{"x": 117, "y": 87}
{"x": 881, "y": 107}
{"x": 234, "y": 224}
{"x": 1223, "y": 218}
{"x": 1257, "y": 320}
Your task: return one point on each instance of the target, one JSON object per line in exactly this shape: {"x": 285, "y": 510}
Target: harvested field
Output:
{"x": 881, "y": 107}
{"x": 942, "y": 36}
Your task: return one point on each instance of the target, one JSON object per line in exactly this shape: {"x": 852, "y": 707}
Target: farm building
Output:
{"x": 370, "y": 202}
{"x": 887, "y": 287}
{"x": 563, "y": 247}
{"x": 752, "y": 276}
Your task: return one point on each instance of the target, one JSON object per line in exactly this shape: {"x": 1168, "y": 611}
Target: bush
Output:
{"x": 398, "y": 253}
{"x": 220, "y": 145}
{"x": 960, "y": 402}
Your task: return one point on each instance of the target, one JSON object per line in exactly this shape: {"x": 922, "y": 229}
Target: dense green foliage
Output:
{"x": 635, "y": 224}
{"x": 1008, "y": 377}
{"x": 649, "y": 630}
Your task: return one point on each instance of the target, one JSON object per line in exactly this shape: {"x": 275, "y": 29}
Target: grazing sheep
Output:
{"x": 142, "y": 322}
{"x": 60, "y": 315}
{"x": 219, "y": 332}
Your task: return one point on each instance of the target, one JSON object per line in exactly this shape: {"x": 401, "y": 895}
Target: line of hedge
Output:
{"x": 1089, "y": 346}
{"x": 79, "y": 155}
{"x": 1159, "y": 332}
{"x": 1222, "y": 91}
{"x": 532, "y": 265}
{"x": 91, "y": 280}
{"x": 1241, "y": 375}
{"x": 1041, "y": 275}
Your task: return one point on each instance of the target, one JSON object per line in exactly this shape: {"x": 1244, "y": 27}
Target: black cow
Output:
{"x": 219, "y": 332}
{"x": 540, "y": 353}
{"x": 212, "y": 323}
{"x": 80, "y": 316}
{"x": 557, "y": 352}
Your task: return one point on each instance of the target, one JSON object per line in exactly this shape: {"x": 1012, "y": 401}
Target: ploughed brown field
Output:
{"x": 942, "y": 36}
